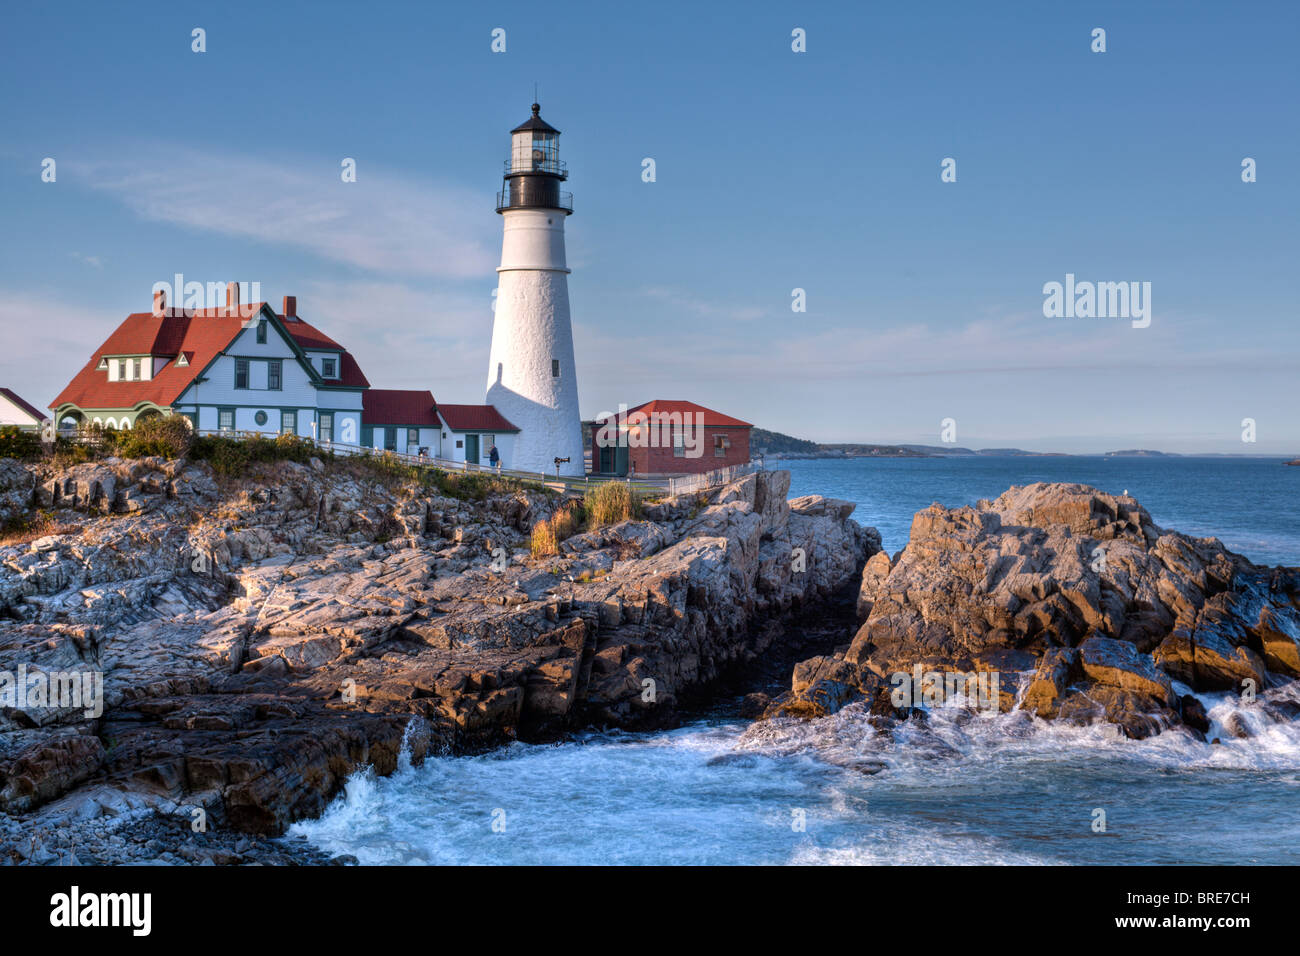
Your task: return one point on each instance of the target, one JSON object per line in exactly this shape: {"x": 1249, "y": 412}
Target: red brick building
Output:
{"x": 667, "y": 438}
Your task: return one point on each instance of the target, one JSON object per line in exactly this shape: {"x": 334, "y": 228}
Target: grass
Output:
{"x": 611, "y": 502}
{"x": 27, "y": 527}
{"x": 547, "y": 534}
{"x": 603, "y": 505}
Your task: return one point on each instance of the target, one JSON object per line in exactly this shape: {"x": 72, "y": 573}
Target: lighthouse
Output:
{"x": 532, "y": 378}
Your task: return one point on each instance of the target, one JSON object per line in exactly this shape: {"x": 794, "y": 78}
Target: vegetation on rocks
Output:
{"x": 602, "y": 506}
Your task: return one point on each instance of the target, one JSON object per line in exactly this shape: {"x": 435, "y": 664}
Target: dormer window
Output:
{"x": 329, "y": 367}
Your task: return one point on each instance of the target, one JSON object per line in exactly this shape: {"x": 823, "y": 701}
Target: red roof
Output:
{"x": 474, "y": 418}
{"x": 711, "y": 418}
{"x": 308, "y": 336}
{"x": 26, "y": 406}
{"x": 395, "y": 406}
{"x": 201, "y": 335}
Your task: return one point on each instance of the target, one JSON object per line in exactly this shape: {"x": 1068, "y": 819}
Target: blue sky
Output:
{"x": 775, "y": 171}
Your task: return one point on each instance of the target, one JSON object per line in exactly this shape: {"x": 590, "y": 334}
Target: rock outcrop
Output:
{"x": 259, "y": 641}
{"x": 1082, "y": 606}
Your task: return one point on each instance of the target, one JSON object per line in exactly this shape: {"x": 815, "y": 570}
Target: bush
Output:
{"x": 611, "y": 502}
{"x": 16, "y": 443}
{"x": 168, "y": 436}
{"x": 230, "y": 456}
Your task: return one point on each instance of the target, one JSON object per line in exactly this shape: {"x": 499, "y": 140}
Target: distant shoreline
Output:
{"x": 1008, "y": 453}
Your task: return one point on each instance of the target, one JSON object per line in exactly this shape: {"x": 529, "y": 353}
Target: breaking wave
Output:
{"x": 956, "y": 788}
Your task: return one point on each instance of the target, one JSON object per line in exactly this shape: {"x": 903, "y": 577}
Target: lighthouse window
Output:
{"x": 555, "y": 368}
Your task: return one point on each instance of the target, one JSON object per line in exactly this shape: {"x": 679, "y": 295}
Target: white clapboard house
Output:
{"x": 243, "y": 369}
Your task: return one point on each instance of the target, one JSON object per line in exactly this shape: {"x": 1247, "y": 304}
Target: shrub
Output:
{"x": 611, "y": 502}
{"x": 230, "y": 456}
{"x": 168, "y": 436}
{"x": 16, "y": 443}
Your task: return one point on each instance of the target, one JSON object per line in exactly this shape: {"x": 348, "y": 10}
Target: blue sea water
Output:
{"x": 959, "y": 789}
{"x": 1251, "y": 504}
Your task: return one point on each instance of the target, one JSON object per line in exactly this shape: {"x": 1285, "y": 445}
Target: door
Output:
{"x": 471, "y": 449}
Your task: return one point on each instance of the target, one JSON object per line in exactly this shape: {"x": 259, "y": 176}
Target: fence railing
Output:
{"x": 566, "y": 483}
{"x": 710, "y": 479}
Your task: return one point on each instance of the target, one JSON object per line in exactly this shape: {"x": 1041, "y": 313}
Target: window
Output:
{"x": 275, "y": 375}
{"x": 226, "y": 419}
{"x": 720, "y": 445}
{"x": 260, "y": 418}
{"x": 390, "y": 439}
{"x": 103, "y": 364}
{"x": 136, "y": 364}
{"x": 261, "y": 332}
{"x": 288, "y": 423}
{"x": 241, "y": 373}
{"x": 329, "y": 367}
{"x": 326, "y": 426}
{"x": 412, "y": 437}
{"x": 555, "y": 368}
{"x": 679, "y": 444}
{"x": 460, "y": 443}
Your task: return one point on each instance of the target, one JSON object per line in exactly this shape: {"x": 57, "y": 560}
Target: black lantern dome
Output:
{"x": 534, "y": 170}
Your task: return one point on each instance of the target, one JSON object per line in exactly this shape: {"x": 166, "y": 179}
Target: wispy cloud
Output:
{"x": 688, "y": 304}
{"x": 381, "y": 223}
{"x": 95, "y": 261}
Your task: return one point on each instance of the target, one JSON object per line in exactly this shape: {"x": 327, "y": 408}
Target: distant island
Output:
{"x": 770, "y": 444}
{"x": 1141, "y": 453}
{"x": 777, "y": 445}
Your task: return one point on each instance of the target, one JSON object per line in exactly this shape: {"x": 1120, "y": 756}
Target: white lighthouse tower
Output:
{"x": 532, "y": 379}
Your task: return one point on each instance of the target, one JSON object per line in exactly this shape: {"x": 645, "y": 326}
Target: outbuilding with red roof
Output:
{"x": 667, "y": 437}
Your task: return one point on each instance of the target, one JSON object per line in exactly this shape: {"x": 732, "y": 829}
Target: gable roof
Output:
{"x": 474, "y": 418}
{"x": 672, "y": 407}
{"x": 26, "y": 406}
{"x": 200, "y": 335}
{"x": 395, "y": 406}
{"x": 309, "y": 337}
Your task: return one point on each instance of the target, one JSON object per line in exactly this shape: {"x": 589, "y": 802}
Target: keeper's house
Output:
{"x": 251, "y": 369}
{"x": 245, "y": 369}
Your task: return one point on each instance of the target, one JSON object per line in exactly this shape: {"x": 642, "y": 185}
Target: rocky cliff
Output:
{"x": 258, "y": 643}
{"x": 1081, "y": 605}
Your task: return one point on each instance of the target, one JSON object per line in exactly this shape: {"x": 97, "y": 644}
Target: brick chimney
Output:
{"x": 160, "y": 302}
{"x": 232, "y": 296}
{"x": 291, "y": 307}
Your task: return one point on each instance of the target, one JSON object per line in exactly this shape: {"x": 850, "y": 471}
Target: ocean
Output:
{"x": 960, "y": 789}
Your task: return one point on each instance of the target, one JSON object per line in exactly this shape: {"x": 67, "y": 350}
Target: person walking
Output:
{"x": 494, "y": 457}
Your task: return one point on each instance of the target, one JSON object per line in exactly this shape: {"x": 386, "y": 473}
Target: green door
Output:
{"x": 471, "y": 449}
